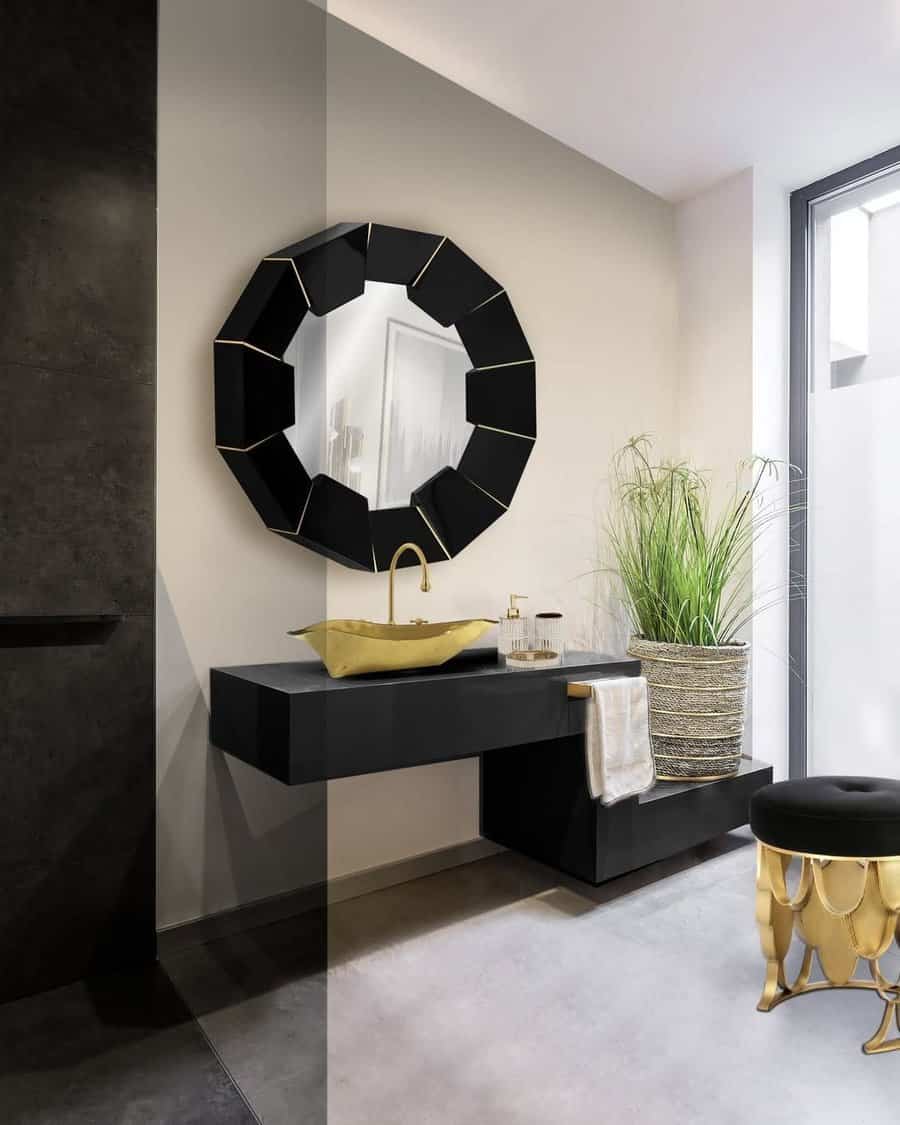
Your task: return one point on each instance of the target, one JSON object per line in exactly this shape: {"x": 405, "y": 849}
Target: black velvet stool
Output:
{"x": 845, "y": 831}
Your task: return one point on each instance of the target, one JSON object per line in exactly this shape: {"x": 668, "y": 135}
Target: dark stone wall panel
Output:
{"x": 82, "y": 718}
{"x": 78, "y": 283}
{"x": 74, "y": 918}
{"x": 87, "y": 64}
{"x": 76, "y": 493}
{"x": 77, "y": 841}
{"x": 77, "y": 367}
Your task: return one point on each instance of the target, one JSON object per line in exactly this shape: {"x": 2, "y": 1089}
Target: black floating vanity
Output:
{"x": 297, "y": 724}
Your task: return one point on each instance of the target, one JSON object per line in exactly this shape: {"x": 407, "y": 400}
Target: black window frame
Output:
{"x": 801, "y": 203}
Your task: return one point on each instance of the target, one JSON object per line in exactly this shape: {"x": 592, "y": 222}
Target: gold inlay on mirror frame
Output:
{"x": 437, "y": 537}
{"x": 509, "y": 433}
{"x": 296, "y": 274}
{"x": 487, "y": 301}
{"x": 296, "y": 531}
{"x": 510, "y": 363}
{"x": 434, "y": 254}
{"x": 844, "y": 909}
{"x": 247, "y": 448}
{"x": 252, "y": 347}
{"x": 489, "y": 495}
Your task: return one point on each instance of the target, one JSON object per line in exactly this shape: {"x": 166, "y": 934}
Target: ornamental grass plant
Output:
{"x": 685, "y": 570}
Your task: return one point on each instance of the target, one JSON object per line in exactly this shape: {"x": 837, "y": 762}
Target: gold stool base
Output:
{"x": 845, "y": 909}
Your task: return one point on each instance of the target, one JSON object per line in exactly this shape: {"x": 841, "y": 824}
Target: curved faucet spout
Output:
{"x": 425, "y": 584}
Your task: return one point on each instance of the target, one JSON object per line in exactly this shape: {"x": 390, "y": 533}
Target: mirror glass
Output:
{"x": 391, "y": 384}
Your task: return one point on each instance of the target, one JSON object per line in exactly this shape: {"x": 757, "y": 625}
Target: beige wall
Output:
{"x": 715, "y": 393}
{"x": 732, "y": 397}
{"x": 589, "y": 260}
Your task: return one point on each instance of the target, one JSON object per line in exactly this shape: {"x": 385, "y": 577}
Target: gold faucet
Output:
{"x": 425, "y": 584}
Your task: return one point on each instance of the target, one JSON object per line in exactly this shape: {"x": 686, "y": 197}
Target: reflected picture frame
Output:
{"x": 389, "y": 492}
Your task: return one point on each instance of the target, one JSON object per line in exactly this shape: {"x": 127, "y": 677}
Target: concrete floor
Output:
{"x": 500, "y": 993}
{"x": 117, "y": 1050}
{"x": 495, "y": 993}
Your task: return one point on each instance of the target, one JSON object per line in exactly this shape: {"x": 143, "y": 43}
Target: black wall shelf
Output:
{"x": 33, "y": 630}
{"x": 39, "y": 619}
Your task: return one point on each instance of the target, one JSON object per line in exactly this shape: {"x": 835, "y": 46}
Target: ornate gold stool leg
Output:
{"x": 773, "y": 989}
{"x": 889, "y": 992}
{"x": 777, "y": 988}
{"x": 879, "y": 1044}
{"x": 775, "y": 920}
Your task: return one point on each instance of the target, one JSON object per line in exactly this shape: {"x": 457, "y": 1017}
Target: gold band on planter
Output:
{"x": 845, "y": 909}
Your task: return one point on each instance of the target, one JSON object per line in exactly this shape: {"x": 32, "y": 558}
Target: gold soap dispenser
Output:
{"x": 513, "y": 632}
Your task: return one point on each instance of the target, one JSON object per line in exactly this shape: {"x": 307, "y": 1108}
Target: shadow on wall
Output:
{"x": 253, "y": 837}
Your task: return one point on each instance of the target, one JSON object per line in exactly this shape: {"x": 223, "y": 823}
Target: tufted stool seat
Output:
{"x": 834, "y": 816}
{"x": 844, "y": 833}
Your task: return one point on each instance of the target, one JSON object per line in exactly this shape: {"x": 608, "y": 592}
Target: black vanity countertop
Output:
{"x": 297, "y": 724}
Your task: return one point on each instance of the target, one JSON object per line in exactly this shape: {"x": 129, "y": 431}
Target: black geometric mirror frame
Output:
{"x": 254, "y": 394}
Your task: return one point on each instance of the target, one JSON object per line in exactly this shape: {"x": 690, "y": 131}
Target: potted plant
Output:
{"x": 686, "y": 579}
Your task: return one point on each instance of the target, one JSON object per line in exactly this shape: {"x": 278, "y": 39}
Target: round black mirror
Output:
{"x": 438, "y": 369}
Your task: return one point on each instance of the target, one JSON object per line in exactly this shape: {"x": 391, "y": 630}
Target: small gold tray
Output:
{"x": 527, "y": 659}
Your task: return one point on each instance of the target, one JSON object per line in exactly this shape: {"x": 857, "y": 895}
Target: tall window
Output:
{"x": 846, "y": 435}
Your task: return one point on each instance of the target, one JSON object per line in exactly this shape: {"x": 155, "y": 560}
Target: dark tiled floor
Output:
{"x": 121, "y": 1050}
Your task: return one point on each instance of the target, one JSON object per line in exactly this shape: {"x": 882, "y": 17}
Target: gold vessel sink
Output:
{"x": 351, "y": 648}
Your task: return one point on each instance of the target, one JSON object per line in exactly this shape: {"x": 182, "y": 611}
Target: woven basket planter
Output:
{"x": 698, "y": 698}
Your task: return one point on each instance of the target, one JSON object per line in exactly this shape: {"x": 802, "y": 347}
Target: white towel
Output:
{"x": 617, "y": 739}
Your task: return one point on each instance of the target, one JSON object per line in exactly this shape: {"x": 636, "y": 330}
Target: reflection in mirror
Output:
{"x": 392, "y": 384}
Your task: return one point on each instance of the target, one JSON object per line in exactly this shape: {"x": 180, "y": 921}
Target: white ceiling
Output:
{"x": 674, "y": 94}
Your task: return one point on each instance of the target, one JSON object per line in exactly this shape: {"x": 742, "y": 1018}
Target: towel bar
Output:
{"x": 578, "y": 691}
